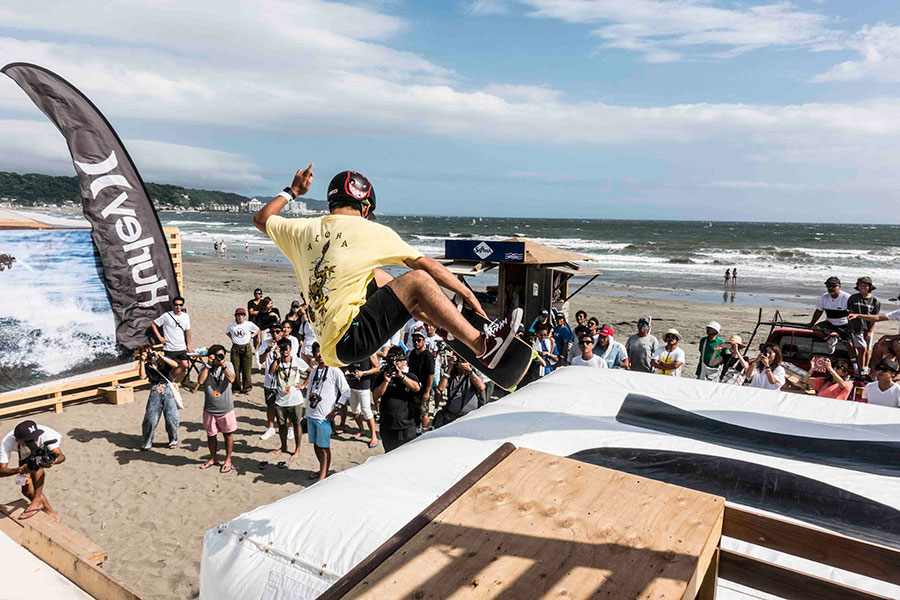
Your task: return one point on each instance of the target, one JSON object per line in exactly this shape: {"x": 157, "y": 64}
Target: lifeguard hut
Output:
{"x": 531, "y": 276}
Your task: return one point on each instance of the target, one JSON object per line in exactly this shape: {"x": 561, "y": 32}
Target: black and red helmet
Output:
{"x": 350, "y": 186}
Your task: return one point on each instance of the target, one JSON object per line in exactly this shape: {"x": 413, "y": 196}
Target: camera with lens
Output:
{"x": 40, "y": 455}
{"x": 314, "y": 400}
{"x": 389, "y": 368}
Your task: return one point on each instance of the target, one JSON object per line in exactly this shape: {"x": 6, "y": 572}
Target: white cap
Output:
{"x": 673, "y": 332}
{"x": 715, "y": 326}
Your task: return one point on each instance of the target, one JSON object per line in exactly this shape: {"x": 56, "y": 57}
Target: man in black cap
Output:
{"x": 836, "y": 326}
{"x": 421, "y": 364}
{"x": 22, "y": 440}
{"x": 863, "y": 303}
{"x": 396, "y": 391}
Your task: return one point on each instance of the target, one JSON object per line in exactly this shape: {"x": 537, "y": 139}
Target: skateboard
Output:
{"x": 513, "y": 364}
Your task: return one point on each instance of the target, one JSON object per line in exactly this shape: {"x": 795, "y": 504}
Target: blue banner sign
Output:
{"x": 483, "y": 250}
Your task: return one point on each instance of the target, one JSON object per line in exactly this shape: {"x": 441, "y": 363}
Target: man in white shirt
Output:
{"x": 411, "y": 326}
{"x": 286, "y": 369}
{"x": 266, "y": 355}
{"x": 836, "y": 326}
{"x": 326, "y": 394}
{"x": 883, "y": 391}
{"x": 242, "y": 332}
{"x": 587, "y": 358}
{"x": 31, "y": 474}
{"x": 175, "y": 336}
{"x": 668, "y": 359}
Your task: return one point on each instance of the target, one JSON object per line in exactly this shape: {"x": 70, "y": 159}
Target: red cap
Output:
{"x": 605, "y": 331}
{"x": 240, "y": 311}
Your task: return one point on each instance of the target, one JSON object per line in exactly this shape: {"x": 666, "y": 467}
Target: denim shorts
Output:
{"x": 319, "y": 432}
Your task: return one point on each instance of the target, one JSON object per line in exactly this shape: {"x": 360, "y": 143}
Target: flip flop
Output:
{"x": 262, "y": 465}
{"x": 207, "y": 465}
{"x": 355, "y": 436}
{"x": 373, "y": 444}
{"x": 314, "y": 475}
{"x": 226, "y": 469}
{"x": 27, "y": 514}
{"x": 282, "y": 465}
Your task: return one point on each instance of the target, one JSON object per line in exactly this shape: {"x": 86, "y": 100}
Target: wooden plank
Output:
{"x": 12, "y": 529}
{"x": 786, "y": 583}
{"x": 60, "y": 533}
{"x": 856, "y": 556}
{"x": 355, "y": 575}
{"x": 539, "y": 525}
{"x": 710, "y": 580}
{"x": 85, "y": 575}
{"x": 95, "y": 381}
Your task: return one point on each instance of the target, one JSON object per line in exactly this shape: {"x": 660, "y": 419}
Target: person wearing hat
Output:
{"x": 641, "y": 347}
{"x": 396, "y": 391}
{"x": 607, "y": 348}
{"x": 422, "y": 365}
{"x": 709, "y": 347}
{"x": 729, "y": 359}
{"x": 562, "y": 337}
{"x": 884, "y": 391}
{"x": 25, "y": 436}
{"x": 836, "y": 326}
{"x": 668, "y": 359}
{"x": 889, "y": 345}
{"x": 244, "y": 335}
{"x": 354, "y": 305}
{"x": 542, "y": 319}
{"x": 296, "y": 317}
{"x": 863, "y": 303}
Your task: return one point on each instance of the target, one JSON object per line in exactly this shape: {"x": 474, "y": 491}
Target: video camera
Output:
{"x": 389, "y": 368}
{"x": 40, "y": 456}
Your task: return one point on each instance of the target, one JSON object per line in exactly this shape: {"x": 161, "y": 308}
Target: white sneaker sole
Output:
{"x": 514, "y": 327}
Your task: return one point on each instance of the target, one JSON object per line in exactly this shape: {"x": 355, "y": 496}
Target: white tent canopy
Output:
{"x": 299, "y": 546}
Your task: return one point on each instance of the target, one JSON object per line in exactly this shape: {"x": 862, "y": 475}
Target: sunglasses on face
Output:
{"x": 883, "y": 369}
{"x": 219, "y": 356}
{"x": 178, "y": 304}
{"x": 257, "y": 293}
{"x": 585, "y": 342}
{"x": 831, "y": 286}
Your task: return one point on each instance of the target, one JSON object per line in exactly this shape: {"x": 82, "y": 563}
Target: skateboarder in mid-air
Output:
{"x": 354, "y": 306}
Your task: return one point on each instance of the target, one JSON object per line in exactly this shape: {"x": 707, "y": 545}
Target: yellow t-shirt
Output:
{"x": 333, "y": 257}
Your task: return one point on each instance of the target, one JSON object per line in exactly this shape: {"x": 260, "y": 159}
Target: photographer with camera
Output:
{"x": 327, "y": 393}
{"x": 398, "y": 393}
{"x": 766, "y": 371}
{"x": 286, "y": 370}
{"x": 266, "y": 356}
{"x": 461, "y": 387}
{"x": 159, "y": 370}
{"x": 218, "y": 405}
{"x": 835, "y": 385}
{"x": 38, "y": 450}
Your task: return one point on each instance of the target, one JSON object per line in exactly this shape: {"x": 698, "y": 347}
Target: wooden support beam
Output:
{"x": 63, "y": 535}
{"x": 856, "y": 556}
{"x": 783, "y": 582}
{"x": 85, "y": 575}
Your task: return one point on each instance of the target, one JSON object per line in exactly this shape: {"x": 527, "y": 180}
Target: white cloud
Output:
{"x": 879, "y": 48}
{"x": 669, "y": 30}
{"x": 29, "y": 146}
{"x": 487, "y": 7}
{"x": 769, "y": 185}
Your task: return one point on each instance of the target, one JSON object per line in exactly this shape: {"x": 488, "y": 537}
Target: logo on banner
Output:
{"x": 482, "y": 250}
{"x": 514, "y": 256}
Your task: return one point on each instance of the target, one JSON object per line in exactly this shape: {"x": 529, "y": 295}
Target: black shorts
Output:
{"x": 176, "y": 354}
{"x": 843, "y": 331}
{"x": 379, "y": 318}
{"x": 270, "y": 394}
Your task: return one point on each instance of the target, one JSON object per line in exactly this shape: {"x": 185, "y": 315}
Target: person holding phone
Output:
{"x": 830, "y": 382}
{"x": 218, "y": 406}
{"x": 766, "y": 371}
{"x": 159, "y": 370}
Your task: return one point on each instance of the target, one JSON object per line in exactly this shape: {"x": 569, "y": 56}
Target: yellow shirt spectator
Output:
{"x": 334, "y": 257}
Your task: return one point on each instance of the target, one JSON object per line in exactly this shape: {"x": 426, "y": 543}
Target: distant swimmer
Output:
{"x": 6, "y": 262}
{"x": 727, "y": 276}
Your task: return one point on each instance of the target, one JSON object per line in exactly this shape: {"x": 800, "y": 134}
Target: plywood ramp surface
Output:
{"x": 541, "y": 526}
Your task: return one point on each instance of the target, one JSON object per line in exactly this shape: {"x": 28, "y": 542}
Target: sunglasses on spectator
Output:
{"x": 220, "y": 356}
{"x": 279, "y": 330}
{"x": 831, "y": 285}
{"x": 585, "y": 342}
{"x": 884, "y": 369}
{"x": 178, "y": 304}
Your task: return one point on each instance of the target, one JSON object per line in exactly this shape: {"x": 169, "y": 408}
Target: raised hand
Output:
{"x": 302, "y": 180}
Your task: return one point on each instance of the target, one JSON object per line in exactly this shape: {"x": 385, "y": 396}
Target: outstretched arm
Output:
{"x": 299, "y": 186}
{"x": 446, "y": 280}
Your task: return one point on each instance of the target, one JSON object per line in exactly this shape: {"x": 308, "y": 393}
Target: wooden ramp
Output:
{"x": 71, "y": 554}
{"x": 531, "y": 525}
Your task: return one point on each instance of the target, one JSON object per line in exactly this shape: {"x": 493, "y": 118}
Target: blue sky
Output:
{"x": 681, "y": 109}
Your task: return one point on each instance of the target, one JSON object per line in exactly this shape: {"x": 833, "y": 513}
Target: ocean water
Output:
{"x": 787, "y": 262}
{"x": 55, "y": 318}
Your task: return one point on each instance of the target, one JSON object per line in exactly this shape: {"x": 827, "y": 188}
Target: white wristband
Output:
{"x": 285, "y": 195}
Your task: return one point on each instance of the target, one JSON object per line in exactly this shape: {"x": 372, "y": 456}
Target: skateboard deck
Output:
{"x": 513, "y": 364}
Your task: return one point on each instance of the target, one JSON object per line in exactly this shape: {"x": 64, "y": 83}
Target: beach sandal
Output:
{"x": 314, "y": 475}
{"x": 262, "y": 466}
{"x": 226, "y": 469}
{"x": 282, "y": 465}
{"x": 27, "y": 514}
{"x": 208, "y": 464}
{"x": 373, "y": 444}
{"x": 356, "y": 436}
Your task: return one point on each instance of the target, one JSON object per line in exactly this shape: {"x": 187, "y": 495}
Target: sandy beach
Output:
{"x": 150, "y": 509}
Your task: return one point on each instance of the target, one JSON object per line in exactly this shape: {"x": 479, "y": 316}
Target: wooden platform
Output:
{"x": 540, "y": 526}
{"x": 58, "y": 532}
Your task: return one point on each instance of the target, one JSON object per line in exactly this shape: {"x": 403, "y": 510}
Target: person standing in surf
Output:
{"x": 354, "y": 306}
